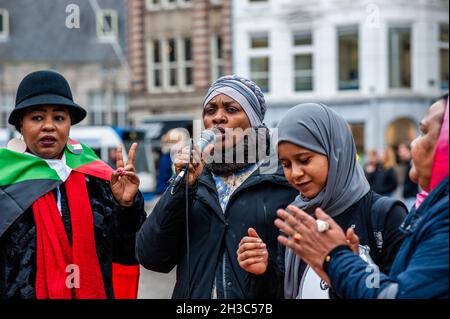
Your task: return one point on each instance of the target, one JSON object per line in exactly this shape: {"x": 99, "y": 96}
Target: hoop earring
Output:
{"x": 17, "y": 145}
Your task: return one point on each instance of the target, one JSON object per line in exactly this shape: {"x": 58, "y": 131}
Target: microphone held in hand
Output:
{"x": 206, "y": 137}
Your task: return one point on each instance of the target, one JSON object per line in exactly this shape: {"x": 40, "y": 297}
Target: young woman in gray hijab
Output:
{"x": 318, "y": 155}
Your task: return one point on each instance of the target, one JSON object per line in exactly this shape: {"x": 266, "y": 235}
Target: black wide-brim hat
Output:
{"x": 44, "y": 88}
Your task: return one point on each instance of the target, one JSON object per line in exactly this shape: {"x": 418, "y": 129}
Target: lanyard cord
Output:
{"x": 173, "y": 190}
{"x": 187, "y": 226}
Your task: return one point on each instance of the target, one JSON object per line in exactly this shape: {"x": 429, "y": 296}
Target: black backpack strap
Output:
{"x": 380, "y": 209}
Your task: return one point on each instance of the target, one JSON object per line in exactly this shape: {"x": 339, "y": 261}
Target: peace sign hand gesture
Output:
{"x": 124, "y": 181}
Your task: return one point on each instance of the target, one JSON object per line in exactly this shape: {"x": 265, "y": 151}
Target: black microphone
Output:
{"x": 206, "y": 137}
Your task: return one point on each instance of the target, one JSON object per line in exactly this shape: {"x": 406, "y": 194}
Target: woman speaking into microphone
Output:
{"x": 226, "y": 196}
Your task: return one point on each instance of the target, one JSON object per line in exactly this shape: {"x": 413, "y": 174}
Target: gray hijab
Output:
{"x": 320, "y": 129}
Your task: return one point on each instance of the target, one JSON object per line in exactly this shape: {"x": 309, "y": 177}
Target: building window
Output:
{"x": 303, "y": 74}
{"x": 399, "y": 57}
{"x": 153, "y": 4}
{"x": 170, "y": 3}
{"x": 171, "y": 56}
{"x": 301, "y": 38}
{"x": 107, "y": 24}
{"x": 157, "y": 64}
{"x": 259, "y": 59}
{"x": 120, "y": 109}
{"x": 259, "y": 41}
{"x": 256, "y": 1}
{"x": 217, "y": 64}
{"x": 4, "y": 24}
{"x": 6, "y": 105}
{"x": 259, "y": 72}
{"x": 443, "y": 56}
{"x": 97, "y": 108}
{"x": 170, "y": 65}
{"x": 187, "y": 63}
{"x": 167, "y": 4}
{"x": 348, "y": 58}
{"x": 358, "y": 136}
{"x": 303, "y": 60}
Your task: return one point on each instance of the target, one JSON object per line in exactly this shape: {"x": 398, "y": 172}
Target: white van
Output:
{"x": 103, "y": 138}
{"x": 100, "y": 138}
{"x": 4, "y": 135}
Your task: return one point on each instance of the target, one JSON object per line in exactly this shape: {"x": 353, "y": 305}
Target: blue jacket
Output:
{"x": 421, "y": 267}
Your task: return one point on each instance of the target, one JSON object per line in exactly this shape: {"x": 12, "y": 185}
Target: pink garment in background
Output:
{"x": 440, "y": 162}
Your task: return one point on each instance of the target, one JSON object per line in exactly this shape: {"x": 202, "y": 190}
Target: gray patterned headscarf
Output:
{"x": 320, "y": 129}
{"x": 243, "y": 91}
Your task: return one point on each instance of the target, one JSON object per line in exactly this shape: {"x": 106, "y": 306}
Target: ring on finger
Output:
{"x": 322, "y": 225}
{"x": 296, "y": 236}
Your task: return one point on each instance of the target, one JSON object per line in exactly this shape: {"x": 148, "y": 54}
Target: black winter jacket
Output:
{"x": 161, "y": 242}
{"x": 115, "y": 230}
{"x": 382, "y": 181}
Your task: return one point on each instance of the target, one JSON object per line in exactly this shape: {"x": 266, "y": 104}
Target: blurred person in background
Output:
{"x": 371, "y": 161}
{"x": 410, "y": 189}
{"x": 112, "y": 157}
{"x": 166, "y": 168}
{"x": 381, "y": 175}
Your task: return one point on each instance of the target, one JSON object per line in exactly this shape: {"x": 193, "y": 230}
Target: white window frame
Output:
{"x": 339, "y": 31}
{"x": 442, "y": 45}
{"x": 258, "y": 33}
{"x": 151, "y": 88}
{"x": 121, "y": 113}
{"x": 303, "y": 73}
{"x": 411, "y": 38}
{"x": 302, "y": 50}
{"x": 183, "y": 64}
{"x": 151, "y": 6}
{"x": 6, "y": 104}
{"x": 166, "y": 5}
{"x": 259, "y": 53}
{"x": 5, "y": 33}
{"x": 302, "y": 31}
{"x": 258, "y": 2}
{"x": 114, "y": 25}
{"x": 216, "y": 62}
{"x": 97, "y": 110}
{"x": 169, "y": 5}
{"x": 184, "y": 3}
{"x": 167, "y": 66}
{"x": 260, "y": 74}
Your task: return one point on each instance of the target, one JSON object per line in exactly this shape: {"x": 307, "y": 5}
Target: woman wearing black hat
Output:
{"x": 65, "y": 215}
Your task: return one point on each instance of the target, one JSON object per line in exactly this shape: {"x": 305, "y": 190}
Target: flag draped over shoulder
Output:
{"x": 24, "y": 178}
